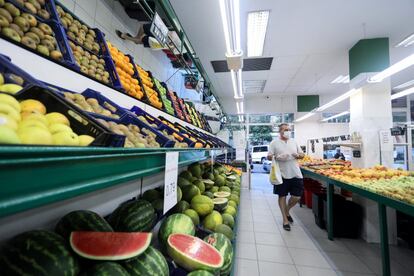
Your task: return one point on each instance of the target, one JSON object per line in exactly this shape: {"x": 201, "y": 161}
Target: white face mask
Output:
{"x": 286, "y": 134}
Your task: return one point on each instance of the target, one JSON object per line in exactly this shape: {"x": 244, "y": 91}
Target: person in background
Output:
{"x": 339, "y": 154}
{"x": 286, "y": 151}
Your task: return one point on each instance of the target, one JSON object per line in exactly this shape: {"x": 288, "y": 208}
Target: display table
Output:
{"x": 381, "y": 200}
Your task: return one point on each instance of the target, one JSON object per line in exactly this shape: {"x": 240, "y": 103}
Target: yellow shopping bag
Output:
{"x": 275, "y": 175}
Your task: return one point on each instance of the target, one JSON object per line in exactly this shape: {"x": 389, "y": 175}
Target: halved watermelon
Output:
{"x": 222, "y": 194}
{"x": 193, "y": 253}
{"x": 109, "y": 246}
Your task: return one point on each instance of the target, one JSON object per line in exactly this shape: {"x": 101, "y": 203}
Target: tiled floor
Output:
{"x": 264, "y": 248}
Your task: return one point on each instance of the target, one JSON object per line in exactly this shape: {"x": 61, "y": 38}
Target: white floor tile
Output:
{"x": 276, "y": 254}
{"x": 308, "y": 257}
{"x": 299, "y": 241}
{"x": 269, "y": 239}
{"x": 347, "y": 262}
{"x": 332, "y": 246}
{"x": 272, "y": 269}
{"x": 246, "y": 236}
{"x": 245, "y": 226}
{"x": 265, "y": 227}
{"x": 313, "y": 271}
{"x": 245, "y": 267}
{"x": 246, "y": 251}
{"x": 375, "y": 265}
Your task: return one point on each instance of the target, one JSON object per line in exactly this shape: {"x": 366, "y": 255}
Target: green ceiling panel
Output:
{"x": 307, "y": 103}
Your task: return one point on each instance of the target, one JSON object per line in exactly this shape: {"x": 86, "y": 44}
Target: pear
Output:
{"x": 35, "y": 135}
{"x": 56, "y": 117}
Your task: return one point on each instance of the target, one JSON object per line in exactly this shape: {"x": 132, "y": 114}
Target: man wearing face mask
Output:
{"x": 286, "y": 152}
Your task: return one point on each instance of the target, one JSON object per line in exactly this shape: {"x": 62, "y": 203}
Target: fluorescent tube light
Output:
{"x": 395, "y": 68}
{"x": 341, "y": 79}
{"x": 337, "y": 100}
{"x": 336, "y": 116}
{"x": 236, "y": 79}
{"x": 256, "y": 32}
{"x": 236, "y": 23}
{"x": 241, "y": 119}
{"x": 402, "y": 93}
{"x": 406, "y": 41}
{"x": 239, "y": 78}
{"x": 225, "y": 22}
{"x": 234, "y": 83}
{"x": 404, "y": 85}
{"x": 310, "y": 114}
{"x": 240, "y": 107}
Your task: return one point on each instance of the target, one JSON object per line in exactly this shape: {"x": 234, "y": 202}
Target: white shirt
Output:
{"x": 283, "y": 150}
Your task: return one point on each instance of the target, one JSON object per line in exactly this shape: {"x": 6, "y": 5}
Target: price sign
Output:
{"x": 170, "y": 182}
{"x": 159, "y": 30}
{"x": 397, "y": 131}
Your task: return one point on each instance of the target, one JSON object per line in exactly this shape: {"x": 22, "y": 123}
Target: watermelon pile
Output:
{"x": 87, "y": 244}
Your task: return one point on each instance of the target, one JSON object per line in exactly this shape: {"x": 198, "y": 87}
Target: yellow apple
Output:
{"x": 33, "y": 106}
{"x": 8, "y": 110}
{"x": 10, "y": 88}
{"x": 66, "y": 138}
{"x": 35, "y": 135}
{"x": 7, "y": 121}
{"x": 34, "y": 116}
{"x": 56, "y": 117}
{"x": 32, "y": 123}
{"x": 85, "y": 140}
{"x": 8, "y": 136}
{"x": 10, "y": 100}
{"x": 56, "y": 128}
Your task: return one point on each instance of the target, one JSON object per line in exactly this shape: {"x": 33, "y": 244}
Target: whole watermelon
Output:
{"x": 133, "y": 216}
{"x": 106, "y": 269}
{"x": 200, "y": 273}
{"x": 38, "y": 252}
{"x": 150, "y": 263}
{"x": 223, "y": 245}
{"x": 81, "y": 220}
{"x": 176, "y": 223}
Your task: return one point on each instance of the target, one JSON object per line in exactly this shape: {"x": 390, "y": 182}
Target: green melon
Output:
{"x": 189, "y": 192}
{"x": 150, "y": 263}
{"x": 181, "y": 206}
{"x": 200, "y": 273}
{"x": 193, "y": 179}
{"x": 219, "y": 180}
{"x": 186, "y": 174}
{"x": 200, "y": 185}
{"x": 209, "y": 194}
{"x": 38, "y": 252}
{"x": 225, "y": 189}
{"x": 231, "y": 211}
{"x": 208, "y": 183}
{"x": 106, "y": 269}
{"x": 225, "y": 230}
{"x": 208, "y": 175}
{"x": 224, "y": 246}
{"x": 203, "y": 205}
{"x": 228, "y": 220}
{"x": 81, "y": 220}
{"x": 214, "y": 189}
{"x": 158, "y": 205}
{"x": 232, "y": 203}
{"x": 179, "y": 194}
{"x": 176, "y": 223}
{"x": 183, "y": 182}
{"x": 193, "y": 215}
{"x": 212, "y": 220}
{"x": 220, "y": 203}
{"x": 151, "y": 195}
{"x": 133, "y": 216}
{"x": 195, "y": 170}
{"x": 235, "y": 198}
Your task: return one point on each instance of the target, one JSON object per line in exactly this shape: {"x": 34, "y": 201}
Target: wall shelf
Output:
{"x": 36, "y": 176}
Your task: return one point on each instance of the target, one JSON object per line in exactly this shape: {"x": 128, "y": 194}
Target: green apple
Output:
{"x": 56, "y": 128}
{"x": 35, "y": 135}
{"x": 10, "y": 88}
{"x": 8, "y": 136}
{"x": 66, "y": 138}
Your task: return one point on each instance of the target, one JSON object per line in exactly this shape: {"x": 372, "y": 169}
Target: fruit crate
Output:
{"x": 105, "y": 103}
{"x": 184, "y": 109}
{"x": 156, "y": 91}
{"x": 164, "y": 97}
{"x": 80, "y": 122}
{"x": 14, "y": 74}
{"x": 176, "y": 105}
{"x": 49, "y": 7}
{"x": 178, "y": 136}
{"x": 51, "y": 27}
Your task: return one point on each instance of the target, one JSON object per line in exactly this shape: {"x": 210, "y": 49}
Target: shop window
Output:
{"x": 399, "y": 116}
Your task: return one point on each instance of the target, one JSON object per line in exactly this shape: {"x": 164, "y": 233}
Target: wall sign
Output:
{"x": 170, "y": 181}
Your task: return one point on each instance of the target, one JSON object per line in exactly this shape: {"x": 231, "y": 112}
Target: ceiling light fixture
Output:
{"x": 409, "y": 40}
{"x": 241, "y": 119}
{"x": 336, "y": 116}
{"x": 404, "y": 85}
{"x": 402, "y": 93}
{"x": 395, "y": 68}
{"x": 304, "y": 117}
{"x": 256, "y": 32}
{"x": 341, "y": 79}
{"x": 240, "y": 107}
{"x": 337, "y": 100}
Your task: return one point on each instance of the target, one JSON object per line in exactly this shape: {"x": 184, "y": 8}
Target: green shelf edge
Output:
{"x": 36, "y": 176}
{"x": 387, "y": 201}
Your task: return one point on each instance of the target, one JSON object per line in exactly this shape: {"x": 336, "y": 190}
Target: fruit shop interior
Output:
{"x": 134, "y": 137}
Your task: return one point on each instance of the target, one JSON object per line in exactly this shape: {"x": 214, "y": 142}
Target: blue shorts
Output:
{"x": 293, "y": 186}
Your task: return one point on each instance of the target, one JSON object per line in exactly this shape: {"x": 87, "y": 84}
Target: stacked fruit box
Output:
{"x": 191, "y": 113}
{"x": 148, "y": 87}
{"x": 126, "y": 72}
{"x": 176, "y": 104}
{"x": 89, "y": 49}
{"x": 30, "y": 25}
{"x": 162, "y": 91}
{"x": 186, "y": 116}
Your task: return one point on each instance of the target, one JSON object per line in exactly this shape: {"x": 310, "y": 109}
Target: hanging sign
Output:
{"x": 159, "y": 30}
{"x": 170, "y": 182}
{"x": 397, "y": 131}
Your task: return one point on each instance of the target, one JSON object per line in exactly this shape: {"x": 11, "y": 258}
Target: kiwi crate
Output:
{"x": 38, "y": 29}
{"x": 14, "y": 74}
{"x": 104, "y": 102}
{"x": 47, "y": 9}
{"x": 80, "y": 122}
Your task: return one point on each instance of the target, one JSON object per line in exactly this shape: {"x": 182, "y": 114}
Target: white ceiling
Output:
{"x": 309, "y": 40}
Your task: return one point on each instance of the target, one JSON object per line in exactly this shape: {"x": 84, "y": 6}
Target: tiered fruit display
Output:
{"x": 27, "y": 122}
{"x": 26, "y": 29}
{"x": 135, "y": 137}
{"x": 163, "y": 93}
{"x": 11, "y": 83}
{"x": 176, "y": 105}
{"x": 78, "y": 32}
{"x": 89, "y": 104}
{"x": 85, "y": 243}
{"x": 187, "y": 117}
{"x": 126, "y": 72}
{"x": 197, "y": 143}
{"x": 148, "y": 85}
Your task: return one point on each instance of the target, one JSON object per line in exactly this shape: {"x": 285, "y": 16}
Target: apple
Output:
{"x": 8, "y": 122}
{"x": 34, "y": 116}
{"x": 33, "y": 106}
{"x": 10, "y": 100}
{"x": 56, "y": 117}
{"x": 8, "y": 136}
{"x": 66, "y": 138}
{"x": 85, "y": 140}
{"x": 32, "y": 123}
{"x": 10, "y": 88}
{"x": 35, "y": 135}
{"x": 56, "y": 128}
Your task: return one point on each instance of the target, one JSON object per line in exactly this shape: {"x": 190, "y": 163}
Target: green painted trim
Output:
{"x": 307, "y": 103}
{"x": 369, "y": 55}
{"x": 36, "y": 176}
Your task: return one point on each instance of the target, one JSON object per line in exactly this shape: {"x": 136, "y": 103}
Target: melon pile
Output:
{"x": 85, "y": 243}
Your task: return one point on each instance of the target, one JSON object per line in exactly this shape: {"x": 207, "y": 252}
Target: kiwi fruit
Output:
{"x": 96, "y": 48}
{"x": 4, "y": 22}
{"x": 29, "y": 42}
{"x": 71, "y": 35}
{"x": 95, "y": 58}
{"x": 57, "y": 55}
{"x": 22, "y": 23}
{"x": 85, "y": 62}
{"x": 87, "y": 54}
{"x": 51, "y": 38}
{"x": 43, "y": 50}
{"x": 30, "y": 18}
{"x": 89, "y": 37}
{"x": 84, "y": 69}
{"x": 87, "y": 46}
{"x": 37, "y": 31}
{"x": 69, "y": 16}
{"x": 33, "y": 36}
{"x": 30, "y": 7}
{"x": 5, "y": 13}
{"x": 101, "y": 61}
{"x": 43, "y": 14}
{"x": 101, "y": 66}
{"x": 11, "y": 33}
{"x": 45, "y": 28}
{"x": 16, "y": 28}
{"x": 48, "y": 44}
{"x": 12, "y": 9}
{"x": 35, "y": 4}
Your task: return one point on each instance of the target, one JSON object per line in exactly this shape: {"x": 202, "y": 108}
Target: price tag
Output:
{"x": 170, "y": 182}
